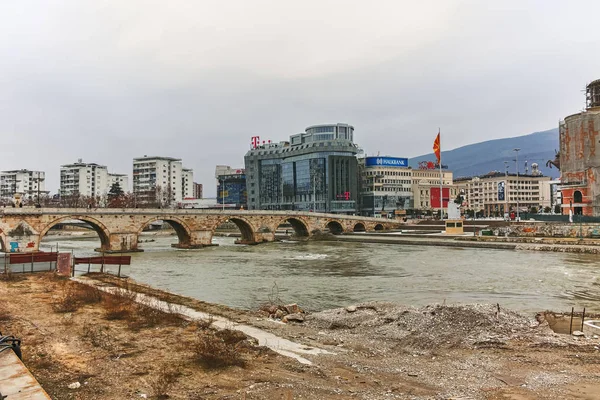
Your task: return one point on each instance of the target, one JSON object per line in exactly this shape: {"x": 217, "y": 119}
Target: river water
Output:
{"x": 321, "y": 275}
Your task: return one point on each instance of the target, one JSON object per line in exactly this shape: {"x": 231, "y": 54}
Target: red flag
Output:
{"x": 436, "y": 148}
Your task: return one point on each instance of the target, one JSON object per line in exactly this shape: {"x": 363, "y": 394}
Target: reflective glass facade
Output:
{"x": 316, "y": 171}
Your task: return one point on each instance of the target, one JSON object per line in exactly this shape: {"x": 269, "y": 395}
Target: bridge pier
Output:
{"x": 124, "y": 242}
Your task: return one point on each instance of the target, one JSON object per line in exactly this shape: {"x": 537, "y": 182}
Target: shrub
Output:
{"x": 119, "y": 305}
{"x": 163, "y": 381}
{"x": 211, "y": 351}
{"x": 66, "y": 300}
{"x": 97, "y": 335}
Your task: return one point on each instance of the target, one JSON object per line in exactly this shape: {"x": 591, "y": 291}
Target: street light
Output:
{"x": 517, "y": 163}
{"x": 506, "y": 211}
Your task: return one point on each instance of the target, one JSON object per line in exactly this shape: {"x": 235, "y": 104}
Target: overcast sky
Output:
{"x": 107, "y": 81}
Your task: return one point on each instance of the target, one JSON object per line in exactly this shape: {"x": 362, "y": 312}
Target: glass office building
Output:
{"x": 231, "y": 186}
{"x": 313, "y": 171}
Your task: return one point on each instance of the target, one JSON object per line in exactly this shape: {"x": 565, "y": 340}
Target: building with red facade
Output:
{"x": 580, "y": 157}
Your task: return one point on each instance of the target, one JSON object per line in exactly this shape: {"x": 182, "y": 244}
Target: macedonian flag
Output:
{"x": 437, "y": 149}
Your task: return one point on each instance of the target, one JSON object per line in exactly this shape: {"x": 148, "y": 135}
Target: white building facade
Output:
{"x": 30, "y": 184}
{"x": 187, "y": 183}
{"x": 161, "y": 179}
{"x": 84, "y": 179}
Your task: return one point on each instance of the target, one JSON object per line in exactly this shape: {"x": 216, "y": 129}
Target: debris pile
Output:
{"x": 429, "y": 327}
{"x": 284, "y": 313}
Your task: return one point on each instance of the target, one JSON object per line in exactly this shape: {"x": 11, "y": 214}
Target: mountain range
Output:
{"x": 484, "y": 157}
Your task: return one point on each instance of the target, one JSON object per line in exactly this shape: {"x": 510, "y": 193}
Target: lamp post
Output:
{"x": 506, "y": 212}
{"x": 517, "y": 163}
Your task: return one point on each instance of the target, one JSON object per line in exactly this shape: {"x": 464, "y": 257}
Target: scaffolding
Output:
{"x": 592, "y": 94}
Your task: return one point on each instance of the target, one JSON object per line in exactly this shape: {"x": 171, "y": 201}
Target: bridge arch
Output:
{"x": 246, "y": 228}
{"x": 299, "y": 225}
{"x": 378, "y": 227}
{"x": 335, "y": 227}
{"x": 96, "y": 225}
{"x": 359, "y": 227}
{"x": 182, "y": 230}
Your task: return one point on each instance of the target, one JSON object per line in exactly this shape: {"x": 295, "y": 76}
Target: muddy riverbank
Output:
{"x": 377, "y": 350}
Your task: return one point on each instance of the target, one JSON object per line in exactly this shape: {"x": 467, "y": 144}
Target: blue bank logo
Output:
{"x": 386, "y": 162}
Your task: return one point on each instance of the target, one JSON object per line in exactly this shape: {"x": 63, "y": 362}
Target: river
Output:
{"x": 321, "y": 275}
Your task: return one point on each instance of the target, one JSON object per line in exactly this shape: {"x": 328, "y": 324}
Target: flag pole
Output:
{"x": 441, "y": 180}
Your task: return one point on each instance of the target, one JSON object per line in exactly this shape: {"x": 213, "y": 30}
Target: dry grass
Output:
{"x": 6, "y": 275}
{"x": 219, "y": 349}
{"x": 97, "y": 335}
{"x": 4, "y": 315}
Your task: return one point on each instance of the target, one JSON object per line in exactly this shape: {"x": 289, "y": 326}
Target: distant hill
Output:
{"x": 481, "y": 158}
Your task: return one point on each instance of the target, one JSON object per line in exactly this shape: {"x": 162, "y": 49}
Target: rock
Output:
{"x": 293, "y": 309}
{"x": 294, "y": 317}
{"x": 578, "y": 333}
{"x": 351, "y": 308}
{"x": 74, "y": 385}
{"x": 279, "y": 314}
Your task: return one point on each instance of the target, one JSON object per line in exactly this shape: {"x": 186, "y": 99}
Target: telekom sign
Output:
{"x": 255, "y": 141}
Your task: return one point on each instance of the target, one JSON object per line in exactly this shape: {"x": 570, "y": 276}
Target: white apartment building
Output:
{"x": 30, "y": 184}
{"x": 121, "y": 179}
{"x": 187, "y": 183}
{"x": 85, "y": 179}
{"x": 163, "y": 177}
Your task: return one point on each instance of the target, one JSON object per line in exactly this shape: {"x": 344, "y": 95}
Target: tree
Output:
{"x": 547, "y": 209}
{"x": 557, "y": 209}
{"x": 115, "y": 190}
{"x": 533, "y": 210}
{"x": 458, "y": 199}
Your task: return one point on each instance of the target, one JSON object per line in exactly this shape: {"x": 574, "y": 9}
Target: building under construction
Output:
{"x": 580, "y": 157}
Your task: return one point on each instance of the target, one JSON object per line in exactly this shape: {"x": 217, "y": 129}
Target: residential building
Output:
{"x": 497, "y": 193}
{"x": 316, "y": 170}
{"x": 385, "y": 186}
{"x": 161, "y": 180}
{"x": 580, "y": 157}
{"x": 198, "y": 191}
{"x": 30, "y": 184}
{"x": 187, "y": 183}
{"x": 231, "y": 186}
{"x": 83, "y": 179}
{"x": 121, "y": 179}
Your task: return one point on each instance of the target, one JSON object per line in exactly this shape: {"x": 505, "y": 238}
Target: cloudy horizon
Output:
{"x": 107, "y": 81}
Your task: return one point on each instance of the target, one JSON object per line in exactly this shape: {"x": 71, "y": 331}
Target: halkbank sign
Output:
{"x": 386, "y": 162}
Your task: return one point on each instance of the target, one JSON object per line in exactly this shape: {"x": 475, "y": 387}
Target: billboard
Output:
{"x": 434, "y": 197}
{"x": 386, "y": 162}
{"x": 501, "y": 191}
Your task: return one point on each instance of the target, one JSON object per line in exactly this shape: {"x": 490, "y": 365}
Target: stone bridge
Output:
{"x": 22, "y": 228}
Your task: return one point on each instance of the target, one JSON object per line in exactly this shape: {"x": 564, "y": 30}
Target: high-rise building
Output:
{"x": 385, "y": 185}
{"x": 198, "y": 190}
{"x": 84, "y": 179}
{"x": 231, "y": 186}
{"x": 161, "y": 180}
{"x": 315, "y": 170}
{"x": 187, "y": 183}
{"x": 30, "y": 184}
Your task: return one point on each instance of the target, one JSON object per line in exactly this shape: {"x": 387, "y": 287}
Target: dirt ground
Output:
{"x": 380, "y": 350}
